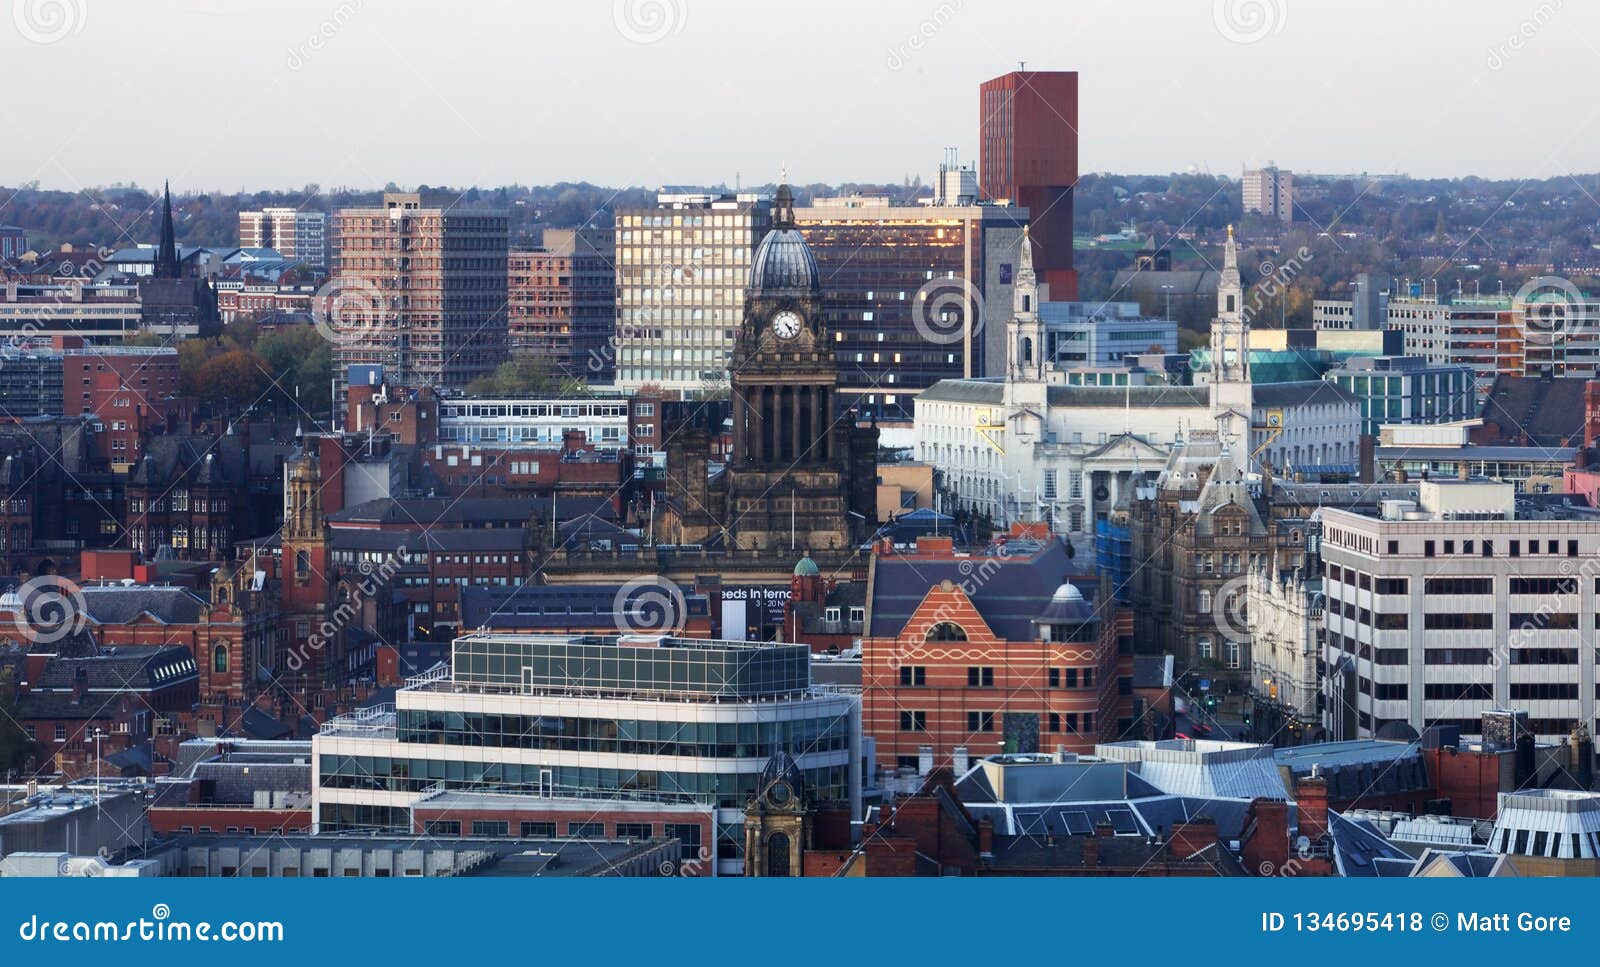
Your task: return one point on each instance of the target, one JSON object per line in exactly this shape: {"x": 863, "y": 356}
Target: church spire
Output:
{"x": 166, "y": 266}
{"x": 1026, "y": 332}
{"x": 1230, "y": 293}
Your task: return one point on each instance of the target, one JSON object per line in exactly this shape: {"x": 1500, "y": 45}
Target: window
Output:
{"x": 586, "y": 830}
{"x": 1055, "y": 678}
{"x": 1543, "y": 585}
{"x": 634, "y": 830}
{"x": 980, "y": 721}
{"x": 1455, "y": 621}
{"x": 980, "y": 677}
{"x": 1459, "y": 586}
{"x": 536, "y": 830}
{"x": 491, "y": 827}
{"x": 913, "y": 721}
{"x": 442, "y": 827}
{"x": 913, "y": 675}
{"x": 943, "y": 631}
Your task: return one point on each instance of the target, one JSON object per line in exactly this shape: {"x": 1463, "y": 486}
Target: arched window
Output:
{"x": 302, "y": 562}
{"x": 1027, "y": 349}
{"x": 219, "y": 658}
{"x": 778, "y": 854}
{"x": 946, "y": 631}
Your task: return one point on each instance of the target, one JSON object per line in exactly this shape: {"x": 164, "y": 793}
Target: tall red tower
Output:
{"x": 1028, "y": 153}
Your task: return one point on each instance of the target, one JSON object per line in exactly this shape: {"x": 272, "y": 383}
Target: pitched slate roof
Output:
{"x": 140, "y": 668}
{"x": 197, "y": 461}
{"x": 1017, "y": 589}
{"x": 115, "y": 604}
{"x": 1533, "y": 412}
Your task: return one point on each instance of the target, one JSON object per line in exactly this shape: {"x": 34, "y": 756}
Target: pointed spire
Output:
{"x": 166, "y": 266}
{"x": 1230, "y": 292}
{"x": 1025, "y": 263}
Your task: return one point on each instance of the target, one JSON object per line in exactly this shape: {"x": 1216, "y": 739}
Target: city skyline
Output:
{"x": 907, "y": 69}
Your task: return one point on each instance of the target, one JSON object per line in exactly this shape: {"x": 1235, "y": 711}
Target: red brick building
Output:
{"x": 132, "y": 392}
{"x": 236, "y": 786}
{"x": 453, "y": 815}
{"x": 995, "y": 651}
{"x": 539, "y": 303}
{"x": 135, "y": 696}
{"x": 1028, "y": 153}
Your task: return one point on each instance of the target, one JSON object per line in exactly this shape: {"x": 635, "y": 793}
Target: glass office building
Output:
{"x": 1407, "y": 389}
{"x": 681, "y": 270}
{"x": 590, "y": 716}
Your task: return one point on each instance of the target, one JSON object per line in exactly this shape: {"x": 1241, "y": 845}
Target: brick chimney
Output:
{"x": 986, "y": 837}
{"x": 1311, "y": 795}
{"x": 1190, "y": 838}
{"x": 1091, "y": 852}
{"x": 1591, "y": 413}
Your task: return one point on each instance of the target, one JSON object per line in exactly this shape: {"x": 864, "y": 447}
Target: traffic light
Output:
{"x": 1247, "y": 718}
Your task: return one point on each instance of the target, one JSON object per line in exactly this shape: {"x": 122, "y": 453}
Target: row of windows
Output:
{"x": 625, "y": 736}
{"x": 1486, "y": 547}
{"x": 726, "y": 789}
{"x": 686, "y": 833}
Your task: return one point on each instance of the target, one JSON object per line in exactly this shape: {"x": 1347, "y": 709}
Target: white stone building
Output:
{"x": 1465, "y": 599}
{"x": 1285, "y": 608}
{"x": 1027, "y": 446}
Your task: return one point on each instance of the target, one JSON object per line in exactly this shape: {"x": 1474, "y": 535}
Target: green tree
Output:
{"x": 299, "y": 359}
{"x": 527, "y": 376}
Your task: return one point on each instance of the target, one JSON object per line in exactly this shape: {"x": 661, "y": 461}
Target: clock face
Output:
{"x": 779, "y": 793}
{"x": 786, "y": 325}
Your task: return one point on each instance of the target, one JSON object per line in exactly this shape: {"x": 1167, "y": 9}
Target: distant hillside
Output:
{"x": 124, "y": 215}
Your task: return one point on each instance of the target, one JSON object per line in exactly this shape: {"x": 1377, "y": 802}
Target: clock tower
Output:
{"x": 790, "y": 480}
{"x": 777, "y": 821}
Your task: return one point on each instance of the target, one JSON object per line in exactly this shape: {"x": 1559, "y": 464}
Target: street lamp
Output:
{"x": 97, "y": 735}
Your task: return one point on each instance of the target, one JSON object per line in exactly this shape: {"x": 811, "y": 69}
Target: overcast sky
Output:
{"x": 228, "y": 95}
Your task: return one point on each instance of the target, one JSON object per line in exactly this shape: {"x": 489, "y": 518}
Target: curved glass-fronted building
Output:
{"x": 546, "y": 715}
